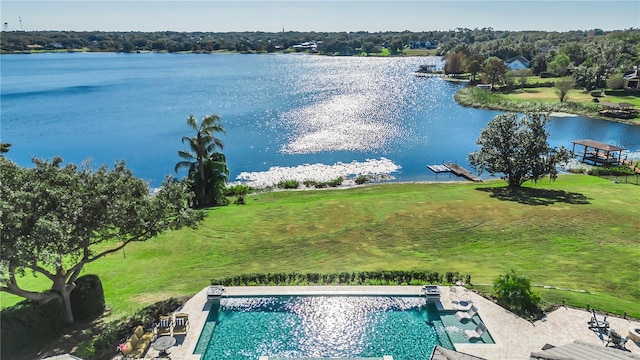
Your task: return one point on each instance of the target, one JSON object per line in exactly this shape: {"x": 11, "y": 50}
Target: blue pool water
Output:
{"x": 325, "y": 326}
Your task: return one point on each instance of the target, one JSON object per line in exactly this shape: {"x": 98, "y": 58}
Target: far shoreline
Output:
{"x": 532, "y": 106}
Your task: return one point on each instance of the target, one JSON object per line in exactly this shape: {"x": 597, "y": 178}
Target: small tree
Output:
{"x": 513, "y": 291}
{"x": 523, "y": 74}
{"x": 616, "y": 81}
{"x": 559, "y": 65}
{"x": 562, "y": 88}
{"x": 510, "y": 79}
{"x": 474, "y": 67}
{"x": 517, "y": 149}
{"x": 493, "y": 70}
{"x": 454, "y": 63}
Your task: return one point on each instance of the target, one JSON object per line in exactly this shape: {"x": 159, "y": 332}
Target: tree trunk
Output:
{"x": 66, "y": 301}
{"x": 64, "y": 291}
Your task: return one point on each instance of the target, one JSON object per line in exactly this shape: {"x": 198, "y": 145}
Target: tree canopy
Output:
{"x": 55, "y": 219}
{"x": 494, "y": 70}
{"x": 517, "y": 149}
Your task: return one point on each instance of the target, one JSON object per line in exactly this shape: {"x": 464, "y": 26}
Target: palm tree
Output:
{"x": 205, "y": 162}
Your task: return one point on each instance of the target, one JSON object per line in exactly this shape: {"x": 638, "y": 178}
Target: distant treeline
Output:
{"x": 485, "y": 41}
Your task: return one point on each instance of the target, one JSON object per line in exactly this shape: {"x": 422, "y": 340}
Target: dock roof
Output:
{"x": 622, "y": 105}
{"x": 598, "y": 145}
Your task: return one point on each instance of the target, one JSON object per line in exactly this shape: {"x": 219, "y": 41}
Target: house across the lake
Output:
{"x": 517, "y": 63}
{"x": 632, "y": 79}
{"x": 423, "y": 45}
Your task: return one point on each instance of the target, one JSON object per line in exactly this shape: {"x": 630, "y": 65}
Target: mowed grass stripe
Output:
{"x": 582, "y": 233}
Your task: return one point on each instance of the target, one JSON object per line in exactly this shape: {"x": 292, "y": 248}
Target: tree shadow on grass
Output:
{"x": 531, "y": 196}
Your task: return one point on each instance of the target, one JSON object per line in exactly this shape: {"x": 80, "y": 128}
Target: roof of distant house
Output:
{"x": 520, "y": 58}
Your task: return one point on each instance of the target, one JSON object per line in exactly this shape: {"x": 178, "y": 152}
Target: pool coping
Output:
{"x": 514, "y": 337}
{"x": 198, "y": 307}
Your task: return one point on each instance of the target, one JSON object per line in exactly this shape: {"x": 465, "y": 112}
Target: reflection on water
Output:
{"x": 322, "y": 326}
{"x": 279, "y": 111}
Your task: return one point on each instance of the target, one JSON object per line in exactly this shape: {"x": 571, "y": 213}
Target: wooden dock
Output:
{"x": 635, "y": 168}
{"x": 460, "y": 171}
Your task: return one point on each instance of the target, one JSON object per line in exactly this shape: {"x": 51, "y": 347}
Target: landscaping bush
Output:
{"x": 361, "y": 179}
{"x": 289, "y": 184}
{"x": 87, "y": 299}
{"x": 577, "y": 170}
{"x": 309, "y": 183}
{"x": 513, "y": 292}
{"x": 237, "y": 190}
{"x": 335, "y": 182}
{"x": 619, "y": 170}
{"x": 30, "y": 325}
{"x": 342, "y": 278}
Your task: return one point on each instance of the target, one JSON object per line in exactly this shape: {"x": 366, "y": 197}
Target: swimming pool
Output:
{"x": 322, "y": 326}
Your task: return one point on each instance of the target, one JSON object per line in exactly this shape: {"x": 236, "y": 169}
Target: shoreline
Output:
{"x": 214, "y": 52}
{"x": 510, "y": 106}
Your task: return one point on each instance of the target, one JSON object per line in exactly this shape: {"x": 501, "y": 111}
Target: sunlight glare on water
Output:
{"x": 321, "y": 326}
{"x": 353, "y": 106}
{"x": 279, "y": 112}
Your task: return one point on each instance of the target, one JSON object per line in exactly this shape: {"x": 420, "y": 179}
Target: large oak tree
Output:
{"x": 517, "y": 149}
{"x": 55, "y": 219}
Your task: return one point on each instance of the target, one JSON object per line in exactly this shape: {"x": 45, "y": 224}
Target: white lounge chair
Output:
{"x": 476, "y": 333}
{"x": 467, "y": 315}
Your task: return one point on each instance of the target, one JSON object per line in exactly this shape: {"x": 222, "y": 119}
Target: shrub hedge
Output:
{"x": 87, "y": 298}
{"x": 289, "y": 184}
{"x": 30, "y": 325}
{"x": 344, "y": 278}
{"x": 619, "y": 170}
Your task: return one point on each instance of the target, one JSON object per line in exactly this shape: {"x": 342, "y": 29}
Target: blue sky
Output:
{"x": 320, "y": 16}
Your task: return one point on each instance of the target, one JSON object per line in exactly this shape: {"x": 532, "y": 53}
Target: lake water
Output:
{"x": 280, "y": 112}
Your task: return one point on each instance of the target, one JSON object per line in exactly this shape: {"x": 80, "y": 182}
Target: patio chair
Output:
{"x": 475, "y": 334}
{"x": 453, "y": 294}
{"x": 595, "y": 324}
{"x": 617, "y": 340}
{"x": 181, "y": 324}
{"x": 164, "y": 325}
{"x": 467, "y": 315}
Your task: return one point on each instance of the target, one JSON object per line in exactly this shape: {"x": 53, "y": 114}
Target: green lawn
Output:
{"x": 548, "y": 94}
{"x": 419, "y": 52}
{"x": 580, "y": 232}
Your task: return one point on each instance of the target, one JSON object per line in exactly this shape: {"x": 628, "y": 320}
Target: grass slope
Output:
{"x": 580, "y": 232}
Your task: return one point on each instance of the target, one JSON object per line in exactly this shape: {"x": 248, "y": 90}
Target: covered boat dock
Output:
{"x": 622, "y": 110}
{"x": 597, "y": 153}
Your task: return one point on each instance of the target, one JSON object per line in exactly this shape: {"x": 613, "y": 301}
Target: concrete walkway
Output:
{"x": 515, "y": 338}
